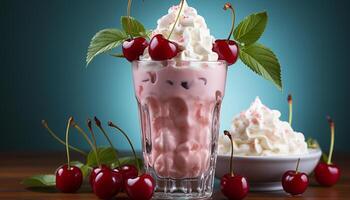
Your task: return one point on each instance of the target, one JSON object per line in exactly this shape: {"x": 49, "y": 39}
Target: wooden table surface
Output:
{"x": 16, "y": 166}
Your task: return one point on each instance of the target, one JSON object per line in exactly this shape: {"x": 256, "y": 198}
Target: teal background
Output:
{"x": 43, "y": 75}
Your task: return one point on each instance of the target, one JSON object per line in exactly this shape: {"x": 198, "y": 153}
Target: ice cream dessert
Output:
{"x": 258, "y": 131}
{"x": 180, "y": 99}
{"x": 191, "y": 34}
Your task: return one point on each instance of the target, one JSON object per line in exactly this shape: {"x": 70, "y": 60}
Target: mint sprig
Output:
{"x": 262, "y": 61}
{"x": 257, "y": 57}
{"x": 251, "y": 28}
{"x": 107, "y": 39}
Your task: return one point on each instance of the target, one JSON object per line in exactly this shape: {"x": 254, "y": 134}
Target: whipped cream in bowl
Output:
{"x": 264, "y": 147}
{"x": 258, "y": 131}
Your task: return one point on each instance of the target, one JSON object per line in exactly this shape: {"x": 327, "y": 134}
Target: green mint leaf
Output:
{"x": 105, "y": 154}
{"x": 133, "y": 27}
{"x": 251, "y": 28}
{"x": 40, "y": 180}
{"x": 262, "y": 61}
{"x": 104, "y": 41}
{"x": 312, "y": 143}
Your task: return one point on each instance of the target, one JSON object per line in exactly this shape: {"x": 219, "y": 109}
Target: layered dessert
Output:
{"x": 258, "y": 131}
{"x": 179, "y": 99}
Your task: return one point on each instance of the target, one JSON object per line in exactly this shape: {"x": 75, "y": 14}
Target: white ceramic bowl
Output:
{"x": 265, "y": 173}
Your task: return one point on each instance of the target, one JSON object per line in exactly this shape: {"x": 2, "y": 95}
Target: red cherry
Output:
{"x": 161, "y": 48}
{"x": 234, "y": 187}
{"x": 94, "y": 173}
{"x": 227, "y": 50}
{"x": 128, "y": 171}
{"x": 327, "y": 175}
{"x": 294, "y": 182}
{"x": 134, "y": 48}
{"x": 68, "y": 180}
{"x": 141, "y": 187}
{"x": 107, "y": 183}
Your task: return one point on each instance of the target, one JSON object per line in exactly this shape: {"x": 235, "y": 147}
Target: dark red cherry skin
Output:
{"x": 128, "y": 171}
{"x": 327, "y": 175}
{"x": 162, "y": 49}
{"x": 68, "y": 180}
{"x": 134, "y": 48}
{"x": 94, "y": 173}
{"x": 141, "y": 187}
{"x": 234, "y": 187}
{"x": 107, "y": 183}
{"x": 227, "y": 50}
{"x": 295, "y": 183}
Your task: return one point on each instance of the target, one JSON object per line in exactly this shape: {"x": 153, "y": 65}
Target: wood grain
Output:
{"x": 16, "y": 166}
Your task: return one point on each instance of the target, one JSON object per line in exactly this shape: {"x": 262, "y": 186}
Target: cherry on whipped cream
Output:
{"x": 227, "y": 49}
{"x": 161, "y": 48}
{"x": 134, "y": 48}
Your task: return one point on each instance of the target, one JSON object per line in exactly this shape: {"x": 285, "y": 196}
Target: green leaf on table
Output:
{"x": 77, "y": 163}
{"x": 129, "y": 160}
{"x": 105, "y": 154}
{"x": 103, "y": 41}
{"x": 312, "y": 143}
{"x": 86, "y": 170}
{"x": 40, "y": 180}
{"x": 133, "y": 27}
{"x": 262, "y": 61}
{"x": 251, "y": 28}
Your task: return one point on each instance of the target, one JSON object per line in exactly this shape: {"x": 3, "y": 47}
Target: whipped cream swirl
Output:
{"x": 191, "y": 33}
{"x": 258, "y": 131}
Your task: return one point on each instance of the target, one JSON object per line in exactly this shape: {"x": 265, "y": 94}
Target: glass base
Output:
{"x": 188, "y": 188}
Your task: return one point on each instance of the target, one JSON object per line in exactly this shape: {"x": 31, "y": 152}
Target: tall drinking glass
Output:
{"x": 179, "y": 104}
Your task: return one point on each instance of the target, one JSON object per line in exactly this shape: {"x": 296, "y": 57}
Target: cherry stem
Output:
{"x": 297, "y": 168}
{"x": 332, "y": 126}
{"x": 99, "y": 125}
{"x": 92, "y": 134}
{"x": 229, "y": 6}
{"x": 67, "y": 141}
{"x": 228, "y": 134}
{"x": 86, "y": 137}
{"x": 46, "y": 126}
{"x": 110, "y": 123}
{"x": 177, "y": 18}
{"x": 290, "y": 103}
{"x": 129, "y": 18}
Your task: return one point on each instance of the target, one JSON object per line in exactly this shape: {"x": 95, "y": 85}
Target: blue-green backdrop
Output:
{"x": 43, "y": 76}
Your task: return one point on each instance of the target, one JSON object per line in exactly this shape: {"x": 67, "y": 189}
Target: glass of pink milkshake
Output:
{"x": 179, "y": 104}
